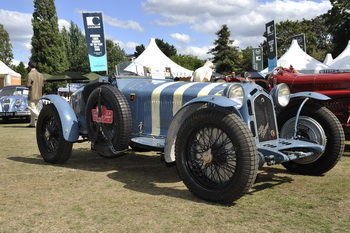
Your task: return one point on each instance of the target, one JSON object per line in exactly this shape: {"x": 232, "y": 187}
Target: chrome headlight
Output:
{"x": 281, "y": 94}
{"x": 18, "y": 102}
{"x": 236, "y": 93}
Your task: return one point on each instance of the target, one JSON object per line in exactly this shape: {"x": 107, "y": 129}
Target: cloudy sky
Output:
{"x": 189, "y": 25}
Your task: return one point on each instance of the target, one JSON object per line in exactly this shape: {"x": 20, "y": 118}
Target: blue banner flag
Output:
{"x": 271, "y": 45}
{"x": 95, "y": 40}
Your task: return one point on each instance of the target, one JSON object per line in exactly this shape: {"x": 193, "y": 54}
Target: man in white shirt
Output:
{"x": 204, "y": 73}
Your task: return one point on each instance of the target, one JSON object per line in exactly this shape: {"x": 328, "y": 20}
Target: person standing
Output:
{"x": 35, "y": 83}
{"x": 204, "y": 73}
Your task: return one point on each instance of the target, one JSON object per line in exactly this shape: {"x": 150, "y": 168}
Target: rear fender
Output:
{"x": 188, "y": 109}
{"x": 67, "y": 116}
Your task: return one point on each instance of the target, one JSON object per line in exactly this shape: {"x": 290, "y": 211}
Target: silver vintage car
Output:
{"x": 14, "y": 102}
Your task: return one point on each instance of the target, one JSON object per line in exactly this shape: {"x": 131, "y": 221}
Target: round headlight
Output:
{"x": 18, "y": 102}
{"x": 281, "y": 94}
{"x": 237, "y": 94}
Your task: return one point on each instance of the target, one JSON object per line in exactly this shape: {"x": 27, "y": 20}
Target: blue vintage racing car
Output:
{"x": 14, "y": 102}
{"x": 217, "y": 134}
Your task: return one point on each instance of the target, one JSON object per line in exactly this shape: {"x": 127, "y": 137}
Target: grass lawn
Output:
{"x": 138, "y": 193}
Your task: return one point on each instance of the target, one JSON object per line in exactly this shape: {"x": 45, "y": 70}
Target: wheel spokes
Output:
{"x": 51, "y": 134}
{"x": 212, "y": 156}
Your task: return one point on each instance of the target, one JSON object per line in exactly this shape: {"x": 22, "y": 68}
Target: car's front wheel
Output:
{"x": 316, "y": 124}
{"x": 216, "y": 156}
{"x": 49, "y": 135}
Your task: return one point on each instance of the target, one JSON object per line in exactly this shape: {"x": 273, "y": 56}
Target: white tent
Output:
{"x": 8, "y": 76}
{"x": 342, "y": 62}
{"x": 328, "y": 59}
{"x": 5, "y": 70}
{"x": 300, "y": 60}
{"x": 155, "y": 59}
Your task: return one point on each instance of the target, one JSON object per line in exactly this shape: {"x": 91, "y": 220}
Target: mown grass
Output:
{"x": 138, "y": 193}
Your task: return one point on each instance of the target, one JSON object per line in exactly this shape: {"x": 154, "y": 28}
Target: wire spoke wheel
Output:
{"x": 212, "y": 156}
{"x": 216, "y": 156}
{"x": 49, "y": 133}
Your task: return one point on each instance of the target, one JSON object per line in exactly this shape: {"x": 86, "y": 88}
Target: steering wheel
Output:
{"x": 270, "y": 79}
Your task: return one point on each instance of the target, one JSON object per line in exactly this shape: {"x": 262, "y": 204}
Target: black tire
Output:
{"x": 49, "y": 135}
{"x": 216, "y": 155}
{"x": 109, "y": 140}
{"x": 315, "y": 118}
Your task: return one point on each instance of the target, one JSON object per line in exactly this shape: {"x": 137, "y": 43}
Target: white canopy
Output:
{"x": 5, "y": 70}
{"x": 300, "y": 60}
{"x": 328, "y": 59}
{"x": 154, "y": 58}
{"x": 342, "y": 62}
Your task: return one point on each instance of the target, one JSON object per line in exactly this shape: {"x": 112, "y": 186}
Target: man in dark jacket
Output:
{"x": 35, "y": 83}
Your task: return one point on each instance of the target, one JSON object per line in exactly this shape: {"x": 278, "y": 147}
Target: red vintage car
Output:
{"x": 334, "y": 85}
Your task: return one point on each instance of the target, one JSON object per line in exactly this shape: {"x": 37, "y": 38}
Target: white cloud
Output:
{"x": 18, "y": 25}
{"x": 199, "y": 20}
{"x": 20, "y": 31}
{"x": 123, "y": 24}
{"x": 127, "y": 46}
{"x": 200, "y": 52}
{"x": 15, "y": 62}
{"x": 245, "y": 19}
{"x": 183, "y": 38}
{"x": 63, "y": 23}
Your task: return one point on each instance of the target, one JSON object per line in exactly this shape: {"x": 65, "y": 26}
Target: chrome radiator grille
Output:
{"x": 265, "y": 120}
{"x": 6, "y": 105}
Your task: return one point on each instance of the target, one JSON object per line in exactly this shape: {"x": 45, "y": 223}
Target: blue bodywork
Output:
{"x": 159, "y": 107}
{"x": 14, "y": 102}
{"x": 68, "y": 119}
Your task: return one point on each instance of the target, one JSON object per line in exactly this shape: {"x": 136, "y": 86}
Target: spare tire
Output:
{"x": 108, "y": 121}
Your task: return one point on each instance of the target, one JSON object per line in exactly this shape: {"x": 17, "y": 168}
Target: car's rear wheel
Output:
{"x": 109, "y": 121}
{"x": 317, "y": 124}
{"x": 216, "y": 156}
{"x": 49, "y": 134}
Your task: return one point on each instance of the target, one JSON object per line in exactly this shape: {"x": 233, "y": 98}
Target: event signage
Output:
{"x": 257, "y": 59}
{"x": 95, "y": 41}
{"x": 301, "y": 41}
{"x": 271, "y": 45}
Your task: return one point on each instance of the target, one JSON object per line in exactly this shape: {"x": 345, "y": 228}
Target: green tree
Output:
{"x": 187, "y": 61}
{"x": 338, "y": 21}
{"x": 67, "y": 48}
{"x": 47, "y": 43}
{"x": 21, "y": 69}
{"x": 318, "y": 39}
{"x": 316, "y": 33}
{"x": 139, "y": 49}
{"x": 6, "y": 54}
{"x": 165, "y": 47}
{"x": 226, "y": 56}
{"x": 78, "y": 59}
{"x": 246, "y": 62}
{"x": 115, "y": 55}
